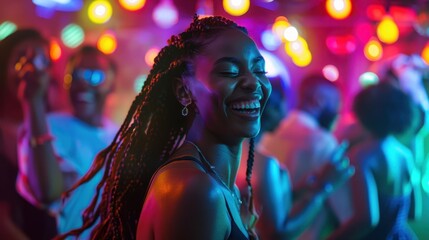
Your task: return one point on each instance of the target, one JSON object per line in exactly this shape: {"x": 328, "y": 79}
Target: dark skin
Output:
{"x": 11, "y": 120}
{"x": 46, "y": 179}
{"x": 228, "y": 74}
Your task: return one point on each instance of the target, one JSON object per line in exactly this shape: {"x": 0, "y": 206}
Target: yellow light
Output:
{"x": 338, "y": 9}
{"x": 373, "y": 50}
{"x": 132, "y": 5}
{"x": 55, "y": 50}
{"x": 303, "y": 60}
{"x": 387, "y": 30}
{"x": 425, "y": 53}
{"x": 236, "y": 7}
{"x": 296, "y": 48}
{"x": 100, "y": 11}
{"x": 279, "y": 27}
{"x": 107, "y": 43}
{"x": 291, "y": 33}
{"x": 150, "y": 56}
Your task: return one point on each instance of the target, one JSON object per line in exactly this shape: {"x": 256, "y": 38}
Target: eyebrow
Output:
{"x": 236, "y": 61}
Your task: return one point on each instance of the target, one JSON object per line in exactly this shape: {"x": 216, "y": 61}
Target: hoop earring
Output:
{"x": 185, "y": 110}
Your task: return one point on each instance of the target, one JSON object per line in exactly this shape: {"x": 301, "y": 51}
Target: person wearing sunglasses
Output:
{"x": 57, "y": 149}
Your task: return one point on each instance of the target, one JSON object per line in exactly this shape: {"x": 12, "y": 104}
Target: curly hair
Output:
{"x": 383, "y": 109}
{"x": 151, "y": 132}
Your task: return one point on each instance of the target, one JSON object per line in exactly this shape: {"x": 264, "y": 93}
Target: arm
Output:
{"x": 184, "y": 203}
{"x": 43, "y": 172}
{"x": 416, "y": 204}
{"x": 365, "y": 201}
{"x": 282, "y": 217}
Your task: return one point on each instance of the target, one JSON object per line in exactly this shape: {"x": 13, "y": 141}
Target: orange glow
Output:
{"x": 338, "y": 9}
{"x": 387, "y": 30}
{"x": 373, "y": 50}
{"x": 132, "y": 5}
{"x": 279, "y": 28}
{"x": 55, "y": 50}
{"x": 236, "y": 7}
{"x": 150, "y": 56}
{"x": 425, "y": 53}
{"x": 107, "y": 43}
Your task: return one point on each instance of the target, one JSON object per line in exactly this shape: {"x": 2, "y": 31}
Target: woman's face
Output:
{"x": 230, "y": 88}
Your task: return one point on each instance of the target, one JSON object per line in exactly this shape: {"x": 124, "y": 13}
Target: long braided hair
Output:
{"x": 150, "y": 133}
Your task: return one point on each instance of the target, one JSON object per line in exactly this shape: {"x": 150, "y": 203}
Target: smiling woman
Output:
{"x": 170, "y": 171}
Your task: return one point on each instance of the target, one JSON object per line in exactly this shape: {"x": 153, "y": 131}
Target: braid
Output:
{"x": 151, "y": 132}
{"x": 250, "y": 161}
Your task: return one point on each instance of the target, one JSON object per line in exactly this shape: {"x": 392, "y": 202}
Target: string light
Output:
{"x": 236, "y": 7}
{"x": 100, "y": 11}
{"x": 165, "y": 14}
{"x": 55, "y": 50}
{"x": 387, "y": 30}
{"x": 338, "y": 9}
{"x": 107, "y": 43}
{"x": 132, "y": 5}
{"x": 373, "y": 50}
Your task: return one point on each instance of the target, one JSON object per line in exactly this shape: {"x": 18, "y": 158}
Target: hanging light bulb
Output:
{"x": 387, "y": 30}
{"x": 107, "y": 42}
{"x": 100, "y": 11}
{"x": 373, "y": 50}
{"x": 338, "y": 9}
{"x": 132, "y": 5}
{"x": 165, "y": 14}
{"x": 236, "y": 7}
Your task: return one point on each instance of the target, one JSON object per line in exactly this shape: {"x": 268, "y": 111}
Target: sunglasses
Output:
{"x": 93, "y": 77}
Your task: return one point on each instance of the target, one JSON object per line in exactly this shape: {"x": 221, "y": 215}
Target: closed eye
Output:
{"x": 229, "y": 74}
{"x": 260, "y": 72}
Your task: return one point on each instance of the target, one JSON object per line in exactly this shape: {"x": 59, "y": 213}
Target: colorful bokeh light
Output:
{"x": 338, "y": 9}
{"x": 236, "y": 7}
{"x": 72, "y": 35}
{"x": 6, "y": 28}
{"x": 100, "y": 11}
{"x": 132, "y": 5}
{"x": 107, "y": 43}
{"x": 387, "y": 30}
{"x": 55, "y": 50}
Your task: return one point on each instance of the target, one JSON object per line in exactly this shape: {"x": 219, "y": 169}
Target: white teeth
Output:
{"x": 246, "y": 105}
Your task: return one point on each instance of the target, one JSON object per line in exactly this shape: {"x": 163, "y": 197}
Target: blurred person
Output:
{"x": 22, "y": 53}
{"x": 170, "y": 171}
{"x": 383, "y": 192}
{"x": 282, "y": 216}
{"x": 57, "y": 149}
{"x": 304, "y": 143}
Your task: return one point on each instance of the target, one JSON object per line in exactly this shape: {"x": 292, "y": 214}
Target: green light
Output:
{"x": 6, "y": 28}
{"x": 367, "y": 79}
{"x": 139, "y": 82}
{"x": 72, "y": 35}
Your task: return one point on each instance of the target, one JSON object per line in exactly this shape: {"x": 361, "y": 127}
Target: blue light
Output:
{"x": 60, "y": 5}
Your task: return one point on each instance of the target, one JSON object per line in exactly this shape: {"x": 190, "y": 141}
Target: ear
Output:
{"x": 182, "y": 92}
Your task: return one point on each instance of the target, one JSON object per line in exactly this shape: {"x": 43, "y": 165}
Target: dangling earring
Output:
{"x": 185, "y": 110}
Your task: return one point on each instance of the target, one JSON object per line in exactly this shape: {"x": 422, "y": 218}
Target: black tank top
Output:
{"x": 236, "y": 233}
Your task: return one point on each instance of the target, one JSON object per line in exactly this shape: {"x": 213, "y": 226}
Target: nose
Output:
{"x": 250, "y": 82}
